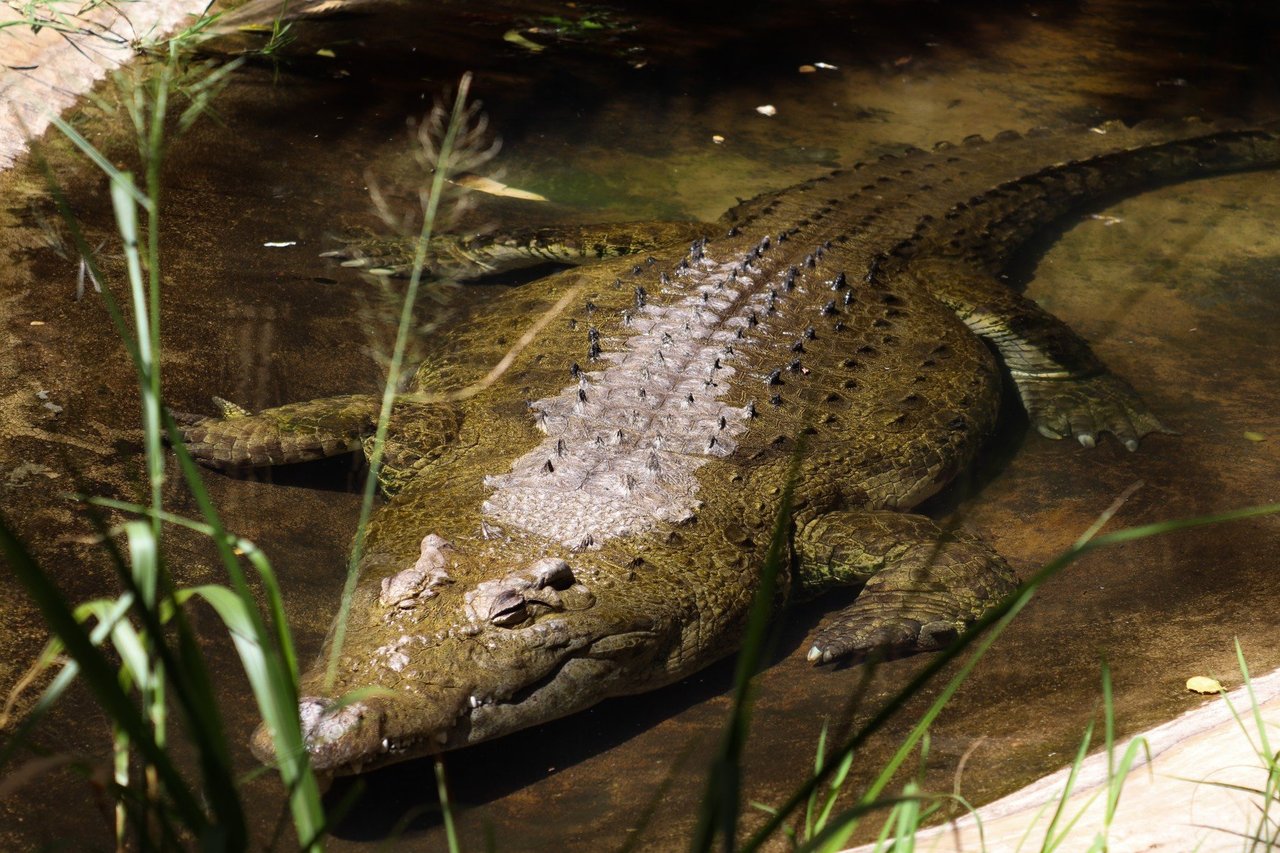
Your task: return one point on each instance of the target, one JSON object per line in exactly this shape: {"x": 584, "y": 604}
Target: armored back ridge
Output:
{"x": 593, "y": 523}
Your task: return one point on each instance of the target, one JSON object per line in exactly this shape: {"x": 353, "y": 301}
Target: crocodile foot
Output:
{"x": 858, "y": 635}
{"x": 921, "y": 585}
{"x": 1086, "y": 407}
{"x": 375, "y": 255}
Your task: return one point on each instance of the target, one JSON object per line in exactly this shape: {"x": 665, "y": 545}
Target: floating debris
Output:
{"x": 825, "y": 66}
{"x": 807, "y": 69}
{"x": 717, "y": 138}
{"x": 279, "y": 244}
{"x": 20, "y": 475}
{"x": 47, "y": 403}
{"x": 767, "y": 110}
{"x": 1254, "y": 436}
{"x": 1105, "y": 219}
{"x": 326, "y": 53}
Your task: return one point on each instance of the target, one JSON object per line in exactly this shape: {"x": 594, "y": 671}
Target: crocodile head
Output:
{"x": 455, "y": 653}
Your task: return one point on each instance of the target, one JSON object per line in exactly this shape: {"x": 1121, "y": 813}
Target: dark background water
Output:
{"x": 1178, "y": 294}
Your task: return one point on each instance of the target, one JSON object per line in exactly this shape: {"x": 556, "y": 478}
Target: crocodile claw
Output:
{"x": 376, "y": 256}
{"x": 865, "y": 634}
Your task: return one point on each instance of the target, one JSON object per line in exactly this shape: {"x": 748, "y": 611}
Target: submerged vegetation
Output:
{"x": 141, "y": 659}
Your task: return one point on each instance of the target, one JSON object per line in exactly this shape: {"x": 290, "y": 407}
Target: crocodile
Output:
{"x": 589, "y": 519}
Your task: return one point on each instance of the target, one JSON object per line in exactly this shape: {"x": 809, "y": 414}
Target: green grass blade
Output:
{"x": 446, "y": 810}
{"x": 1007, "y": 608}
{"x": 189, "y": 678}
{"x": 908, "y": 821}
{"x": 1050, "y": 843}
{"x": 279, "y": 706}
{"x": 830, "y": 837}
{"x": 250, "y": 551}
{"x": 107, "y": 612}
{"x": 100, "y": 160}
{"x": 718, "y": 814}
{"x": 100, "y": 677}
{"x": 442, "y": 173}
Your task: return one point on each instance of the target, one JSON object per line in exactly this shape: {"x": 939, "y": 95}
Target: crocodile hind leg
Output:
{"x": 921, "y": 585}
{"x": 1065, "y": 388}
{"x": 465, "y": 256}
{"x": 298, "y": 432}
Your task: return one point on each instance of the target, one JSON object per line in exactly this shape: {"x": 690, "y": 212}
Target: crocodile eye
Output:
{"x": 552, "y": 572}
{"x": 508, "y": 609}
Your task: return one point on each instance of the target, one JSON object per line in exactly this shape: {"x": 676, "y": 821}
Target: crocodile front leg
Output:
{"x": 417, "y": 434}
{"x": 922, "y": 585}
{"x": 297, "y": 432}
{"x": 1065, "y": 388}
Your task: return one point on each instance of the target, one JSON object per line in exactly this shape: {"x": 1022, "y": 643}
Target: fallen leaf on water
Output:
{"x": 1203, "y": 684}
{"x": 1254, "y": 436}
{"x": 807, "y": 69}
{"x": 326, "y": 53}
{"x": 482, "y": 184}
{"x": 520, "y": 41}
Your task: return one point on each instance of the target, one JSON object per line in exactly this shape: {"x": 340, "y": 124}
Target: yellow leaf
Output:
{"x": 1203, "y": 684}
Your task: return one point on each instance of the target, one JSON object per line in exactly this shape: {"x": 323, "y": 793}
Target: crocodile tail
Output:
{"x": 989, "y": 227}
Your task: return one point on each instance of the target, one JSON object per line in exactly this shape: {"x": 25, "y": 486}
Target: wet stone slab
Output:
{"x": 1176, "y": 289}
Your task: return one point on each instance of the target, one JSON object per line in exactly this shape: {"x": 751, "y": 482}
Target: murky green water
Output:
{"x": 1177, "y": 290}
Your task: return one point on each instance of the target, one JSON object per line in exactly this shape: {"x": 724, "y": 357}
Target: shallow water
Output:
{"x": 1176, "y": 289}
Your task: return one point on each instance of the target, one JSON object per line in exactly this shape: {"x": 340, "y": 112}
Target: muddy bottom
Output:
{"x": 1176, "y": 290}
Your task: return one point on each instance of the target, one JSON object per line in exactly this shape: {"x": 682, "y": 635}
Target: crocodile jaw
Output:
{"x": 506, "y": 692}
{"x": 343, "y": 739}
{"x": 385, "y": 728}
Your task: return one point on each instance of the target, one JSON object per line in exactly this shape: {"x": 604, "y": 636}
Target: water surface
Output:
{"x": 1176, "y": 289}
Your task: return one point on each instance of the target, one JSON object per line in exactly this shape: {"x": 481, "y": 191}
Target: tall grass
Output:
{"x": 161, "y": 669}
{"x": 1264, "y": 834}
{"x": 442, "y": 156}
{"x": 137, "y": 652}
{"x": 720, "y": 807}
